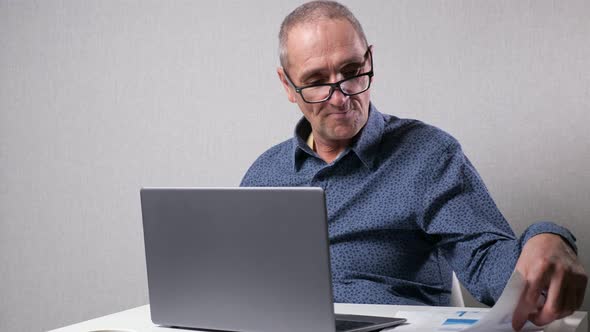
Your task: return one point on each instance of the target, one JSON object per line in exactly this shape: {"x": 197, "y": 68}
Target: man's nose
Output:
{"x": 338, "y": 98}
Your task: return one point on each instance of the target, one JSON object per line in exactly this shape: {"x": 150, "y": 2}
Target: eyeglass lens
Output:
{"x": 350, "y": 86}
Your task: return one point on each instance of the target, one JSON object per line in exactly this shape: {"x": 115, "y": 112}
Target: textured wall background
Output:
{"x": 99, "y": 98}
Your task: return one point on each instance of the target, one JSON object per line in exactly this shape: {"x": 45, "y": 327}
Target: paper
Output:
{"x": 500, "y": 317}
{"x": 496, "y": 319}
{"x": 439, "y": 320}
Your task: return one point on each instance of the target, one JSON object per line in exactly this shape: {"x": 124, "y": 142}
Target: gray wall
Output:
{"x": 100, "y": 98}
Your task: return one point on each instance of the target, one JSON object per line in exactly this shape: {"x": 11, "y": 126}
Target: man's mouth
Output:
{"x": 340, "y": 113}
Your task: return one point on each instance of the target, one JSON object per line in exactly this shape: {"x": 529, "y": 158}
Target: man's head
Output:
{"x": 322, "y": 42}
{"x": 312, "y": 12}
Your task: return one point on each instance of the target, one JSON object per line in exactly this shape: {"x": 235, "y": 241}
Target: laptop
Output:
{"x": 242, "y": 259}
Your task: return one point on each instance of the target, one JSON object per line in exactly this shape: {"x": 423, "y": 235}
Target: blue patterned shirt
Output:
{"x": 405, "y": 209}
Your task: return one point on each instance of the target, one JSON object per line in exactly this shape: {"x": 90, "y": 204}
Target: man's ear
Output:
{"x": 372, "y": 48}
{"x": 288, "y": 88}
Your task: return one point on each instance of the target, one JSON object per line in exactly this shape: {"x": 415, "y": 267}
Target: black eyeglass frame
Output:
{"x": 333, "y": 86}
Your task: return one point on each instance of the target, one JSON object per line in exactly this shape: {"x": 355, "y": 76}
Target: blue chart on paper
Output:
{"x": 459, "y": 321}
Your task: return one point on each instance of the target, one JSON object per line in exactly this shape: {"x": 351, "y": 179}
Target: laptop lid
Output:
{"x": 238, "y": 259}
{"x": 242, "y": 259}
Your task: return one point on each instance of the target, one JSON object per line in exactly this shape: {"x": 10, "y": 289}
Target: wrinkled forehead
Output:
{"x": 325, "y": 43}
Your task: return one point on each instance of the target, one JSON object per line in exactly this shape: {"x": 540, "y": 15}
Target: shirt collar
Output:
{"x": 310, "y": 141}
{"x": 300, "y": 147}
{"x": 365, "y": 145}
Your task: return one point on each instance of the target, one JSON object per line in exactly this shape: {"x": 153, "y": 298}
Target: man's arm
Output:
{"x": 482, "y": 249}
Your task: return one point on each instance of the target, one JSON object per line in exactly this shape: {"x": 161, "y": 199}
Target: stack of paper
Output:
{"x": 498, "y": 318}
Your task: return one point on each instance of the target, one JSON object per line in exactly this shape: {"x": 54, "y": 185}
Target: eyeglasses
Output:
{"x": 350, "y": 86}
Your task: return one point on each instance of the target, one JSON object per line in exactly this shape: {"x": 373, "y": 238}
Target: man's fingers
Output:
{"x": 547, "y": 262}
{"x": 564, "y": 296}
{"x": 527, "y": 305}
{"x": 570, "y": 298}
{"x": 537, "y": 280}
{"x": 556, "y": 305}
{"x": 580, "y": 288}
{"x": 574, "y": 294}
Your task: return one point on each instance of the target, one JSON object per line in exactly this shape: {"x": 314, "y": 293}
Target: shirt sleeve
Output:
{"x": 469, "y": 230}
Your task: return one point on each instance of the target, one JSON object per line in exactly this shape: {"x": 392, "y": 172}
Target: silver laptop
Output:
{"x": 242, "y": 259}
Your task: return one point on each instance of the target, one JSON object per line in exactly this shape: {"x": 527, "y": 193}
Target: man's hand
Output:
{"x": 549, "y": 266}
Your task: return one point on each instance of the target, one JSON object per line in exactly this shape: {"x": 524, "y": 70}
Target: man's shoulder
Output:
{"x": 277, "y": 153}
{"x": 416, "y": 134}
{"x": 276, "y": 159}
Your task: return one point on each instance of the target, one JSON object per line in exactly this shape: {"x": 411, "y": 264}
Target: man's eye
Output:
{"x": 315, "y": 82}
{"x": 352, "y": 73}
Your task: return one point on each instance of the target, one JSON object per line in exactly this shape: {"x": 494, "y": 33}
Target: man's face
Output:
{"x": 327, "y": 52}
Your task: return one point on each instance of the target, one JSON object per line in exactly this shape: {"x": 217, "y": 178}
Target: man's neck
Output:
{"x": 329, "y": 150}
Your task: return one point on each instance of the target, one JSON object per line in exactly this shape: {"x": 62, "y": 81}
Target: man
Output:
{"x": 405, "y": 206}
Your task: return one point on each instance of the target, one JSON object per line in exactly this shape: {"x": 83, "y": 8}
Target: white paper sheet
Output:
{"x": 439, "y": 320}
{"x": 496, "y": 319}
{"x": 500, "y": 317}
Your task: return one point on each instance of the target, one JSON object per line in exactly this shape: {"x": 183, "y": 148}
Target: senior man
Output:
{"x": 405, "y": 206}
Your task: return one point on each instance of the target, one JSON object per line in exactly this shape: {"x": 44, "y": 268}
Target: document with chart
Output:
{"x": 496, "y": 319}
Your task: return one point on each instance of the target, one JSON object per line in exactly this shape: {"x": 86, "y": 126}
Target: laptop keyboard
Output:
{"x": 346, "y": 325}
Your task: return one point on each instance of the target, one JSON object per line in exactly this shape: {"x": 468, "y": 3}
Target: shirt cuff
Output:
{"x": 549, "y": 227}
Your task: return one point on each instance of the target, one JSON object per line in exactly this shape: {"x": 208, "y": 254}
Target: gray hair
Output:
{"x": 312, "y": 12}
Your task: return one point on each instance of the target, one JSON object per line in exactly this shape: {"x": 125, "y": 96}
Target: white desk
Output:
{"x": 138, "y": 319}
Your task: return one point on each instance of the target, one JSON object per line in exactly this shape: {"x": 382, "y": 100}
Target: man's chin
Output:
{"x": 342, "y": 135}
{"x": 346, "y": 129}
